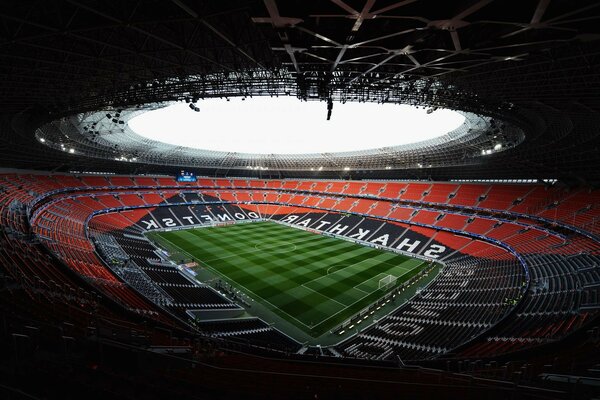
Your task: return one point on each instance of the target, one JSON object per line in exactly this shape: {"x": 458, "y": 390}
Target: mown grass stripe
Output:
{"x": 313, "y": 281}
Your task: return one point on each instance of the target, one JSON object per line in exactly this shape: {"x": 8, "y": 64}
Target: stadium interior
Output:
{"x": 458, "y": 264}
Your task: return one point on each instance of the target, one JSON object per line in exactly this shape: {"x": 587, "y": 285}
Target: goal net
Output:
{"x": 387, "y": 282}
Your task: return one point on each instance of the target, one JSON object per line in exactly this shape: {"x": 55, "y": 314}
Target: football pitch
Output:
{"x": 313, "y": 281}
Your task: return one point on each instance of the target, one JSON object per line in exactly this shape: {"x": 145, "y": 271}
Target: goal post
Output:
{"x": 387, "y": 282}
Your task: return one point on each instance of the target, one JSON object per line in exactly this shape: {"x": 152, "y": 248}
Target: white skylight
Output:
{"x": 285, "y": 125}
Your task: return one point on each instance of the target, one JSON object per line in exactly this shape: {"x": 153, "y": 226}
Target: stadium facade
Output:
{"x": 466, "y": 265}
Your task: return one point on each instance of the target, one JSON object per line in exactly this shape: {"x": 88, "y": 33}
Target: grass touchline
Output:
{"x": 289, "y": 269}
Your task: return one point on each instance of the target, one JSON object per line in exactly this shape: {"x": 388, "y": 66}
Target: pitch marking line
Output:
{"x": 360, "y": 290}
{"x": 335, "y": 265}
{"x": 252, "y": 251}
{"x": 271, "y": 250}
{"x": 356, "y": 263}
{"x": 244, "y": 288}
{"x": 332, "y": 315}
{"x": 321, "y": 294}
{"x": 256, "y": 295}
{"x": 371, "y": 278}
{"x": 327, "y": 274}
{"x": 286, "y": 313}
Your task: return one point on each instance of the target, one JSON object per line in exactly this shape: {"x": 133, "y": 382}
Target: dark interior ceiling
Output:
{"x": 540, "y": 56}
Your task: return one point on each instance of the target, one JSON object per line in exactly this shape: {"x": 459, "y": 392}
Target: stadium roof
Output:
{"x": 532, "y": 65}
{"x": 285, "y": 125}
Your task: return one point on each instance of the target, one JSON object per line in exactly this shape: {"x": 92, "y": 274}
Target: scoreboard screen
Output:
{"x": 186, "y": 176}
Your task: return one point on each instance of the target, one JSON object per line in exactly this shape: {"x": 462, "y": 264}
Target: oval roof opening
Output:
{"x": 286, "y": 125}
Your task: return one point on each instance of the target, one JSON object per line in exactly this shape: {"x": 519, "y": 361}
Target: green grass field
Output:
{"x": 313, "y": 281}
